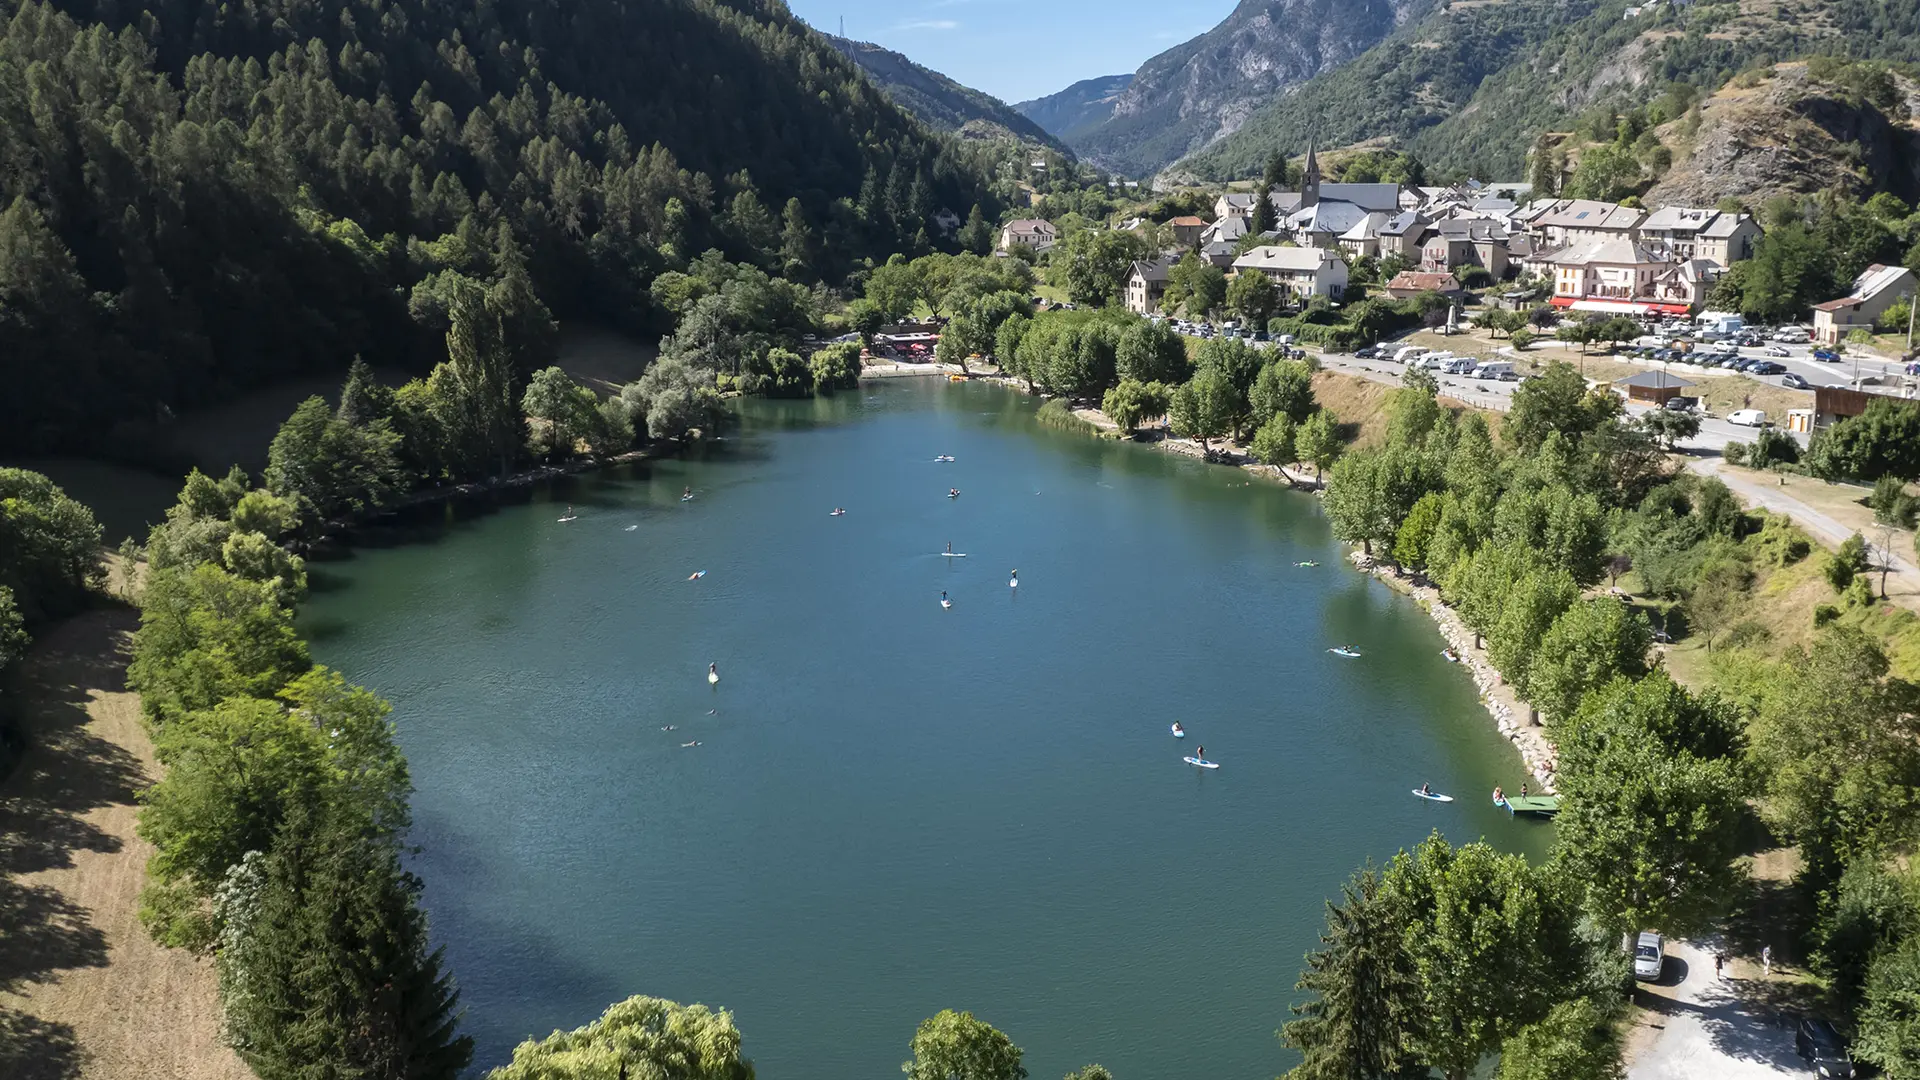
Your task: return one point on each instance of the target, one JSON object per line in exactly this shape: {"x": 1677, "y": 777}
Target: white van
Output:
{"x": 1791, "y": 335}
{"x": 1747, "y": 418}
{"x": 1493, "y": 369}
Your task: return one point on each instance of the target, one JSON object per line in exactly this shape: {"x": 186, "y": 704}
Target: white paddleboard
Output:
{"x": 713, "y": 678}
{"x": 568, "y": 518}
{"x": 1435, "y": 796}
{"x": 946, "y": 603}
{"x": 1013, "y": 583}
{"x": 1202, "y": 764}
{"x": 1177, "y": 733}
{"x": 954, "y": 554}
{"x": 1348, "y": 653}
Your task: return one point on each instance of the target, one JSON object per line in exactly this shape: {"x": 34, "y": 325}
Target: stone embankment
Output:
{"x": 1512, "y": 715}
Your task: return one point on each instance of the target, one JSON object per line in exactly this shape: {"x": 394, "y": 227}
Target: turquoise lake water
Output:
{"x": 896, "y": 808}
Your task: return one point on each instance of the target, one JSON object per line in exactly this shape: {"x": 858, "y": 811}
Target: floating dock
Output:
{"x": 1543, "y": 805}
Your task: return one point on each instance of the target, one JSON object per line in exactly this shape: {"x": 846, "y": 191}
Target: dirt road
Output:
{"x": 84, "y": 993}
{"x": 1701, "y": 1027}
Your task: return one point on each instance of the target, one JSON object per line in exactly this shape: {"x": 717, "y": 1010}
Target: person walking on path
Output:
{"x": 1766, "y": 960}
{"x": 1719, "y": 961}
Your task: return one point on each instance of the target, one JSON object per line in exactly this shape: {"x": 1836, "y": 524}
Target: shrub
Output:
{"x": 1522, "y": 338}
{"x": 1824, "y": 614}
{"x": 1735, "y": 453}
{"x": 1772, "y": 447}
{"x": 1747, "y": 633}
{"x": 1843, "y": 565}
{"x": 1057, "y": 414}
{"x": 1891, "y": 503}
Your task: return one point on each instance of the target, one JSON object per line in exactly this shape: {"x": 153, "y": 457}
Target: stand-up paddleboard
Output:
{"x": 946, "y": 603}
{"x": 954, "y": 554}
{"x": 696, "y": 575}
{"x": 1344, "y": 652}
{"x": 836, "y": 513}
{"x": 1434, "y": 795}
{"x": 568, "y": 518}
{"x": 713, "y": 678}
{"x": 1202, "y": 764}
{"x": 630, "y": 528}
{"x": 1013, "y": 583}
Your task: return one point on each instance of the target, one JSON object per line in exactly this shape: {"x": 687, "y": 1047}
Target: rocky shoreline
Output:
{"x": 1509, "y": 712}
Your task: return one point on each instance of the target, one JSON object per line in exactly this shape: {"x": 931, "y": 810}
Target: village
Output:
{"x": 1490, "y": 247}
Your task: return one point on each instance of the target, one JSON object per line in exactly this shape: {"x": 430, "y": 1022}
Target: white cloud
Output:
{"x": 927, "y": 24}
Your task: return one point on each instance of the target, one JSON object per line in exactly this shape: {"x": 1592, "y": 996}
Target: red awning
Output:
{"x": 1561, "y": 301}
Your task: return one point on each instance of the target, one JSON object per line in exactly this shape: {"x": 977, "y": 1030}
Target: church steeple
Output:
{"x": 1310, "y": 180}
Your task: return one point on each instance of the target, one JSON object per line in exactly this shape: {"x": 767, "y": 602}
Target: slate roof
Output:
{"x": 1284, "y": 258}
{"x": 1383, "y": 197}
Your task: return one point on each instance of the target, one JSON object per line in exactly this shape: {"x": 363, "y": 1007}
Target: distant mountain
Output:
{"x": 938, "y": 101}
{"x": 1078, "y": 107}
{"x": 1468, "y": 86}
{"x": 1197, "y": 92}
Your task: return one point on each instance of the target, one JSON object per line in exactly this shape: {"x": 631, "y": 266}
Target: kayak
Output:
{"x": 1344, "y": 652}
{"x": 696, "y": 575}
{"x": 1177, "y": 733}
{"x": 568, "y": 518}
{"x": 946, "y": 603}
{"x": 1434, "y": 795}
{"x": 1202, "y": 764}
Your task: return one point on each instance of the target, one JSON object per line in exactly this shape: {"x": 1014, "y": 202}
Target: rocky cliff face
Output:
{"x": 1079, "y": 107}
{"x": 1795, "y": 135}
{"x": 940, "y": 102}
{"x": 1195, "y": 93}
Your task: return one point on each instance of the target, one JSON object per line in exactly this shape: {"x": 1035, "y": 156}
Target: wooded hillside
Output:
{"x": 202, "y": 198}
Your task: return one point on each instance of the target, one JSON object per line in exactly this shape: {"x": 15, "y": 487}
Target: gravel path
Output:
{"x": 1699, "y": 1027}
{"x": 84, "y": 992}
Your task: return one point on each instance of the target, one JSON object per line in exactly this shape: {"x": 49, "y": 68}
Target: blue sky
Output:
{"x": 1019, "y": 49}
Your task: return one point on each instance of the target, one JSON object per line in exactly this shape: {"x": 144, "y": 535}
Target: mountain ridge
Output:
{"x": 938, "y": 100}
{"x": 1080, "y": 106}
{"x": 1203, "y": 89}
{"x": 1467, "y": 87}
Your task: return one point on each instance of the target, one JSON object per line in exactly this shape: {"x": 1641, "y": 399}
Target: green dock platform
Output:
{"x": 1544, "y": 805}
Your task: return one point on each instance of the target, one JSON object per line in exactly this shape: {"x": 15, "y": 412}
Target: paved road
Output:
{"x": 1709, "y": 1028}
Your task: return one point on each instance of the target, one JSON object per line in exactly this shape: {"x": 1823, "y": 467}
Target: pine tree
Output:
{"x": 796, "y": 241}
{"x": 1357, "y": 1028}
{"x": 977, "y": 234}
{"x": 1275, "y": 177}
{"x": 333, "y": 976}
{"x": 364, "y": 398}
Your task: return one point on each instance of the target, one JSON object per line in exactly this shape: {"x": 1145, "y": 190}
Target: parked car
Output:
{"x": 1765, "y": 367}
{"x": 1823, "y": 1049}
{"x": 1664, "y": 355}
{"x": 1795, "y": 381}
{"x": 1508, "y": 376}
{"x": 1366, "y": 352}
{"x": 1778, "y": 350}
{"x": 1649, "y": 956}
{"x": 1747, "y": 417}
{"x": 1826, "y": 356}
{"x": 1792, "y": 335}
{"x": 1681, "y": 403}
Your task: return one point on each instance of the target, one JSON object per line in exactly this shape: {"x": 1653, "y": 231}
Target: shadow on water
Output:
{"x": 540, "y": 986}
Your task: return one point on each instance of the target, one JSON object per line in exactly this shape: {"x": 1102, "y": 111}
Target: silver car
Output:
{"x": 1649, "y": 956}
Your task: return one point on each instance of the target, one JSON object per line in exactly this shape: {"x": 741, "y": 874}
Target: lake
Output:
{"x": 895, "y": 808}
